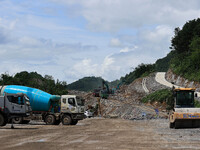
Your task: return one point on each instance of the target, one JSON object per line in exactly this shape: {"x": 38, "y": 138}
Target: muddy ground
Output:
{"x": 99, "y": 133}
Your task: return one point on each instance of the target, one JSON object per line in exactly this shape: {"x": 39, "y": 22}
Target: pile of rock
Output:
{"x": 126, "y": 103}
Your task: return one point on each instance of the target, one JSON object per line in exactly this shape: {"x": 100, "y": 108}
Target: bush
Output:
{"x": 164, "y": 95}
{"x": 196, "y": 104}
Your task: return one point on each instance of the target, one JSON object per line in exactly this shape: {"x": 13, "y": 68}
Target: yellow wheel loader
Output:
{"x": 184, "y": 114}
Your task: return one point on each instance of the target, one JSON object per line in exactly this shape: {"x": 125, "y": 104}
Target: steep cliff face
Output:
{"x": 180, "y": 81}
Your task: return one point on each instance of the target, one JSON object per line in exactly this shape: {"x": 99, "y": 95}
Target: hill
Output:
{"x": 90, "y": 83}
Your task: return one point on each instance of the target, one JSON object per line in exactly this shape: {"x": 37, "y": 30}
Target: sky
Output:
{"x": 72, "y": 39}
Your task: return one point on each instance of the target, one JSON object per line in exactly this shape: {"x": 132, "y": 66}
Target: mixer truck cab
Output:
{"x": 72, "y": 103}
{"x": 72, "y": 108}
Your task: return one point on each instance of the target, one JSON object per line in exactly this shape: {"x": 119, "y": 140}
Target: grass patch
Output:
{"x": 164, "y": 95}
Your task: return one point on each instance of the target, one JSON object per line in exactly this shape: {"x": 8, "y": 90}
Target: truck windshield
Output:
{"x": 80, "y": 101}
{"x": 185, "y": 98}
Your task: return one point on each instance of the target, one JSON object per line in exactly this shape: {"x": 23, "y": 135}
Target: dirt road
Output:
{"x": 96, "y": 133}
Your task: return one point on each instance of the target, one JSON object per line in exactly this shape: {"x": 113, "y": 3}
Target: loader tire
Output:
{"x": 3, "y": 120}
{"x": 66, "y": 120}
{"x": 176, "y": 125}
{"x": 50, "y": 119}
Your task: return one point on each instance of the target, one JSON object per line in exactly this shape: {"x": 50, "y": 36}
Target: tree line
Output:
{"x": 35, "y": 80}
{"x": 186, "y": 46}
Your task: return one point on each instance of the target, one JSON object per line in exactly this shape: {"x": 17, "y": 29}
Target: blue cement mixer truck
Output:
{"x": 52, "y": 109}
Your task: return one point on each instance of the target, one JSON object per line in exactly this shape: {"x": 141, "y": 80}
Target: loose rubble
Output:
{"x": 126, "y": 103}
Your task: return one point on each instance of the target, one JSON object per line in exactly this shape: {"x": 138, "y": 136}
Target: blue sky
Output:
{"x": 71, "y": 39}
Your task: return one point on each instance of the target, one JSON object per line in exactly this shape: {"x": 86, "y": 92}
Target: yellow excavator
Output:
{"x": 184, "y": 113}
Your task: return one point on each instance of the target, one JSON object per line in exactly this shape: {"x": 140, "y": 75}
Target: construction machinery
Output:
{"x": 96, "y": 92}
{"x": 13, "y": 105}
{"x": 184, "y": 114}
{"x": 52, "y": 109}
{"x": 104, "y": 93}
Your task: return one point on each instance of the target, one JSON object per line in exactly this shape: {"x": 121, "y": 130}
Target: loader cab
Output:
{"x": 184, "y": 97}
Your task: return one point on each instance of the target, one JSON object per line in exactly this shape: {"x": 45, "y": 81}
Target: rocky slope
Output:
{"x": 180, "y": 81}
{"x": 126, "y": 104}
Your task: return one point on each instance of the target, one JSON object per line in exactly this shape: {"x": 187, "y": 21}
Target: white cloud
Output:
{"x": 85, "y": 68}
{"x": 108, "y": 61}
{"x": 158, "y": 34}
{"x": 119, "y": 14}
{"x": 115, "y": 42}
{"x": 128, "y": 49}
{"x": 58, "y": 40}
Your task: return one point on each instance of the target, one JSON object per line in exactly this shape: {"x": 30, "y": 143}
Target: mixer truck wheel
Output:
{"x": 66, "y": 120}
{"x": 3, "y": 120}
{"x": 50, "y": 119}
{"x": 17, "y": 120}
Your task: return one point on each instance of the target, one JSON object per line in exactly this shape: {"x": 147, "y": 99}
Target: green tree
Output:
{"x": 186, "y": 45}
{"x": 140, "y": 71}
{"x": 35, "y": 80}
{"x": 182, "y": 38}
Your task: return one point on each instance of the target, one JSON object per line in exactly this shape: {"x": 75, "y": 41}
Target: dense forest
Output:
{"x": 86, "y": 84}
{"x": 35, "y": 80}
{"x": 186, "y": 47}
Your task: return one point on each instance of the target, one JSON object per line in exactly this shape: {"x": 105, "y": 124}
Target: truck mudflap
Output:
{"x": 80, "y": 116}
